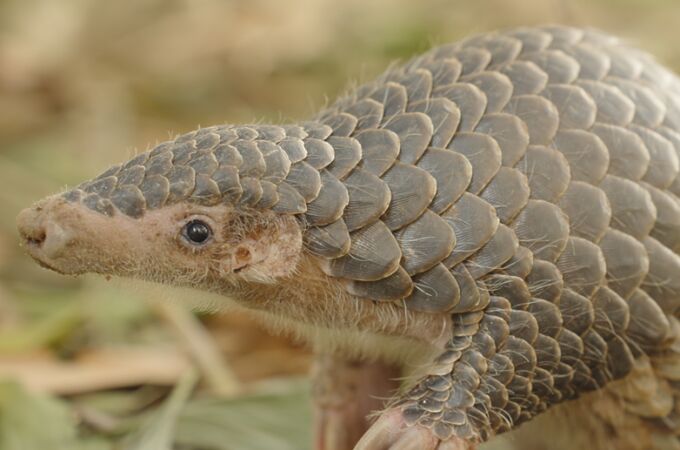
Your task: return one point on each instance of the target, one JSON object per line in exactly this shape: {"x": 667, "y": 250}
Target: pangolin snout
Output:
{"x": 31, "y": 226}
{"x": 42, "y": 233}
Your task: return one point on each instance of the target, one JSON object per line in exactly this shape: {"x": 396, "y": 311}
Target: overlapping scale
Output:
{"x": 374, "y": 254}
{"x": 633, "y": 211}
{"x": 470, "y": 100}
{"x": 444, "y": 71}
{"x": 330, "y": 203}
{"x": 627, "y": 261}
{"x": 547, "y": 172}
{"x": 393, "y": 97}
{"x": 508, "y": 192}
{"x": 663, "y": 165}
{"x": 484, "y": 155}
{"x": 588, "y": 156}
{"x": 540, "y": 115}
{"x": 393, "y": 287}
{"x": 497, "y": 89}
{"x": 543, "y": 228}
{"x": 435, "y": 290}
{"x": 380, "y": 149}
{"x": 509, "y": 132}
{"x": 560, "y": 68}
{"x": 414, "y": 131}
{"x": 425, "y": 242}
{"x": 588, "y": 209}
{"x": 412, "y": 189}
{"x": 667, "y": 226}
{"x": 576, "y": 109}
{"x": 369, "y": 198}
{"x": 445, "y": 118}
{"x": 452, "y": 173}
{"x": 369, "y": 113}
{"x": 474, "y": 222}
{"x": 525, "y": 77}
{"x": 472, "y": 60}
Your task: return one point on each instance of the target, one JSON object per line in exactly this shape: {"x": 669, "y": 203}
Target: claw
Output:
{"x": 383, "y": 433}
{"x": 390, "y": 432}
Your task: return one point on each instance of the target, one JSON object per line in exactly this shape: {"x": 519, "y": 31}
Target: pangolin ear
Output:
{"x": 274, "y": 253}
{"x": 241, "y": 256}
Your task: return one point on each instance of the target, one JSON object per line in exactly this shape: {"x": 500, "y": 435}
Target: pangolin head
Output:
{"x": 208, "y": 207}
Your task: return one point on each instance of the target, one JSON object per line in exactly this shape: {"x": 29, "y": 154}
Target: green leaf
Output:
{"x": 32, "y": 421}
{"x": 42, "y": 332}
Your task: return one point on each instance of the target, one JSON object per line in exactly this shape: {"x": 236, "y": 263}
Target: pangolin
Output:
{"x": 496, "y": 221}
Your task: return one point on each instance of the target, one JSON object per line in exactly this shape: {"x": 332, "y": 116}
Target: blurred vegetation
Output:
{"x": 91, "y": 364}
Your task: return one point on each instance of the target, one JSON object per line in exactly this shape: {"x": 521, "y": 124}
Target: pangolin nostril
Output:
{"x": 30, "y": 224}
{"x": 36, "y": 240}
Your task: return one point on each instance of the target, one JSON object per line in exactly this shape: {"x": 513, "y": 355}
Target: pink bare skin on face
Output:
{"x": 72, "y": 239}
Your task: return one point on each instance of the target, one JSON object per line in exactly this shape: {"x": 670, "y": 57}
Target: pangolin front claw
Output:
{"x": 391, "y": 432}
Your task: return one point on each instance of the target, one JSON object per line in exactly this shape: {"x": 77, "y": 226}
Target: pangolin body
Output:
{"x": 524, "y": 183}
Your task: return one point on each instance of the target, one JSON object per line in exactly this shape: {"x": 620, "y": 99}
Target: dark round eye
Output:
{"x": 197, "y": 232}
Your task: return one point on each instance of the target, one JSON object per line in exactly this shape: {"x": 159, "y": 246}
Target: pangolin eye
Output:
{"x": 197, "y": 232}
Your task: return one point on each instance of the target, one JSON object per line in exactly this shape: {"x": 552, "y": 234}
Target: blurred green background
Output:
{"x": 93, "y": 364}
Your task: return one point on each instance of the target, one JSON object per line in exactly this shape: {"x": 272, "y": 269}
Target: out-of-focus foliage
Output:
{"x": 281, "y": 408}
{"x": 30, "y": 421}
{"x": 90, "y": 364}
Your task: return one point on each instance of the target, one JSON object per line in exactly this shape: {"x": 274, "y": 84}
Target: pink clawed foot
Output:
{"x": 390, "y": 432}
